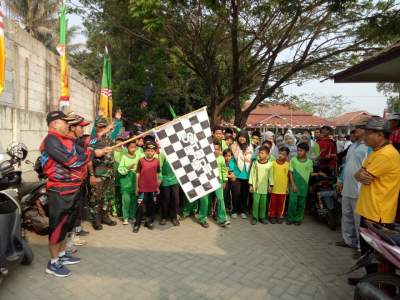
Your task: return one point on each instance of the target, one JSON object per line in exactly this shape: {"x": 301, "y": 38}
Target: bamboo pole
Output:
{"x": 157, "y": 128}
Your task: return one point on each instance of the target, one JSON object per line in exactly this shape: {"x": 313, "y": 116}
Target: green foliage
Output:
{"x": 322, "y": 106}
{"x": 392, "y": 92}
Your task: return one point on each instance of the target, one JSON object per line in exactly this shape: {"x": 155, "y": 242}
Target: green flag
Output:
{"x": 172, "y": 112}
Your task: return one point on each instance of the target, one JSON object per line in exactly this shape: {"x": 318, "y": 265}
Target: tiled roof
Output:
{"x": 350, "y": 118}
{"x": 279, "y": 115}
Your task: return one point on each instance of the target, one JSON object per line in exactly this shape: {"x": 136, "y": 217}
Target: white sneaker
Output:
{"x": 234, "y": 216}
{"x": 125, "y": 222}
{"x": 243, "y": 216}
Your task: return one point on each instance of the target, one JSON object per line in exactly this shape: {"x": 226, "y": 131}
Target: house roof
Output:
{"x": 382, "y": 67}
{"x": 283, "y": 116}
{"x": 350, "y": 118}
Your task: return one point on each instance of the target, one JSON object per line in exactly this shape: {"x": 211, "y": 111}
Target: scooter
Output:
{"x": 14, "y": 249}
{"x": 324, "y": 200}
{"x": 385, "y": 257}
{"x": 32, "y": 195}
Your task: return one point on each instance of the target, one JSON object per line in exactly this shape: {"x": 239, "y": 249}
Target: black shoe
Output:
{"x": 353, "y": 281}
{"x": 264, "y": 221}
{"x": 83, "y": 233}
{"x": 136, "y": 228}
{"x": 97, "y": 222}
{"x": 105, "y": 219}
{"x": 288, "y": 222}
{"x": 163, "y": 222}
{"x": 297, "y": 223}
{"x": 175, "y": 222}
{"x": 341, "y": 244}
{"x": 272, "y": 221}
{"x": 149, "y": 225}
{"x": 205, "y": 225}
{"x": 253, "y": 221}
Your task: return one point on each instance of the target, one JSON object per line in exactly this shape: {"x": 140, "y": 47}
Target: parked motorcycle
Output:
{"x": 14, "y": 249}
{"x": 385, "y": 257}
{"x": 324, "y": 200}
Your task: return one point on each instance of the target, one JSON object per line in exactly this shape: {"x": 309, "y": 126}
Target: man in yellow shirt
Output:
{"x": 379, "y": 178}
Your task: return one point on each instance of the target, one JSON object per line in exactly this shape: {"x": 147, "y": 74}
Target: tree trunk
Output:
{"x": 235, "y": 61}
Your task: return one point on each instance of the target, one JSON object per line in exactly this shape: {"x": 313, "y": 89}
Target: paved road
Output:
{"x": 189, "y": 262}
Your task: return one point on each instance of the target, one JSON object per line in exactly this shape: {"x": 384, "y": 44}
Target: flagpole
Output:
{"x": 158, "y": 127}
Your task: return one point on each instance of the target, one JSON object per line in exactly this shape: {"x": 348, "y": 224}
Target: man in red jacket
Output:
{"x": 328, "y": 152}
{"x": 64, "y": 164}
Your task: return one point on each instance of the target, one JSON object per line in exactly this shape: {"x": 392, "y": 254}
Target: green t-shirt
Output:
{"x": 167, "y": 174}
{"x": 222, "y": 169}
{"x": 126, "y": 169}
{"x": 260, "y": 176}
{"x": 301, "y": 171}
{"x": 139, "y": 152}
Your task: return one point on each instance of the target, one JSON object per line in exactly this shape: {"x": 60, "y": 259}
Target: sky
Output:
{"x": 363, "y": 96}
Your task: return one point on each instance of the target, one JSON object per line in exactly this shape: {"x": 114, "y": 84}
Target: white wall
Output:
{"x": 32, "y": 90}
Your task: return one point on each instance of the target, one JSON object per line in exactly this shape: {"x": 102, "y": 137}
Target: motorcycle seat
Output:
{"x": 27, "y": 187}
{"x": 390, "y": 236}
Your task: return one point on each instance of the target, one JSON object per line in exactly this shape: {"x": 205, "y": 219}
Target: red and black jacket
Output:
{"x": 64, "y": 162}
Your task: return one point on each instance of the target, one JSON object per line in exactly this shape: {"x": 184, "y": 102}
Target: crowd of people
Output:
{"x": 264, "y": 178}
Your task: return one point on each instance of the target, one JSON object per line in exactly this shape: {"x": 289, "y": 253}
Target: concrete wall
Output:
{"x": 32, "y": 90}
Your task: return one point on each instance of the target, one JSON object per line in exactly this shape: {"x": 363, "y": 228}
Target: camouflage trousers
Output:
{"x": 102, "y": 195}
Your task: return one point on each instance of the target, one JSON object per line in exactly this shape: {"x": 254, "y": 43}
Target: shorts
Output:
{"x": 62, "y": 214}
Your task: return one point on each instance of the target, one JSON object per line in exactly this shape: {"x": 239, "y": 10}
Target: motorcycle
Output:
{"x": 324, "y": 200}
{"x": 385, "y": 258}
{"x": 14, "y": 249}
{"x": 32, "y": 195}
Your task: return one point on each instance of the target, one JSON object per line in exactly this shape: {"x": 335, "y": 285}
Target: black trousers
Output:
{"x": 240, "y": 195}
{"x": 149, "y": 205}
{"x": 169, "y": 201}
{"x": 228, "y": 195}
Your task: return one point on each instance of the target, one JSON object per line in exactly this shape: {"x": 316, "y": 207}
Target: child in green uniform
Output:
{"x": 301, "y": 169}
{"x": 118, "y": 152}
{"x": 260, "y": 178}
{"x": 218, "y": 135}
{"x": 127, "y": 170}
{"x": 222, "y": 218}
{"x": 169, "y": 193}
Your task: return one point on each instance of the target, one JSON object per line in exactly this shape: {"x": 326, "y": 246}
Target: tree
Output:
{"x": 392, "y": 92}
{"x": 135, "y": 63}
{"x": 256, "y": 47}
{"x": 322, "y": 106}
{"x": 39, "y": 17}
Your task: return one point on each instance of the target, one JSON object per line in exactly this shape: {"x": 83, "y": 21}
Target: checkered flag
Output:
{"x": 187, "y": 143}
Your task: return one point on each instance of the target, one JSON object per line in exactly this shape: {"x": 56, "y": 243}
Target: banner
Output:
{"x": 61, "y": 49}
{"x": 188, "y": 145}
{"x": 2, "y": 52}
{"x": 105, "y": 106}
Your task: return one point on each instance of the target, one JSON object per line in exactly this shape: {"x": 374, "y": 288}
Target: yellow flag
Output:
{"x": 2, "y": 52}
{"x": 105, "y": 105}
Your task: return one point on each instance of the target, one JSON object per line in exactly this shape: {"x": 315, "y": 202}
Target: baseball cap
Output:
{"x": 150, "y": 145}
{"x": 76, "y": 120}
{"x": 393, "y": 116}
{"x": 55, "y": 115}
{"x": 378, "y": 124}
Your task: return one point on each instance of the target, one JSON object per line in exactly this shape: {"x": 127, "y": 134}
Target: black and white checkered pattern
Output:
{"x": 188, "y": 146}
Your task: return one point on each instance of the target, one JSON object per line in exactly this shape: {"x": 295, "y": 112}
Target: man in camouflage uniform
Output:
{"x": 103, "y": 192}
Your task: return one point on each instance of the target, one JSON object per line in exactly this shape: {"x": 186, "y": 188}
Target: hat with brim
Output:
{"x": 393, "y": 116}
{"x": 55, "y": 115}
{"x": 150, "y": 145}
{"x": 377, "y": 124}
{"x": 361, "y": 123}
{"x": 84, "y": 123}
